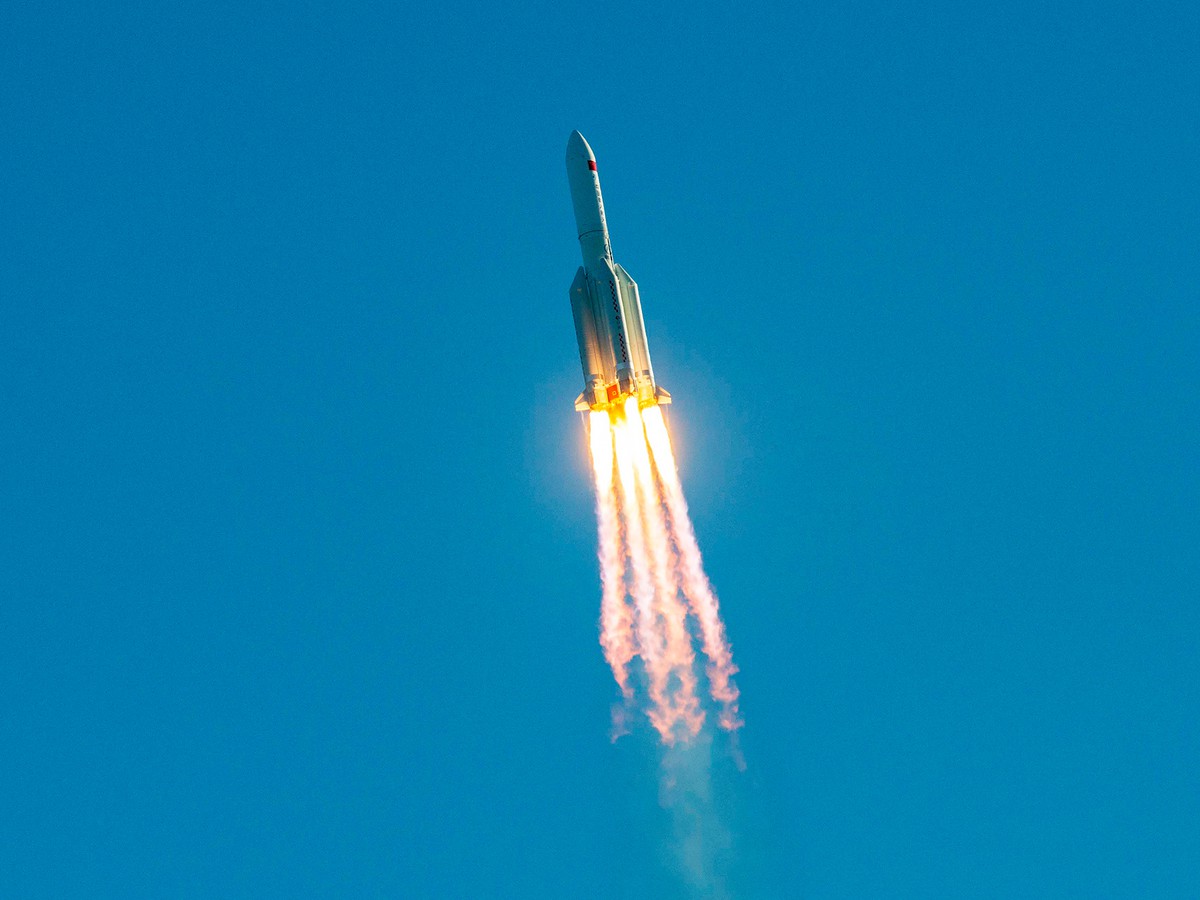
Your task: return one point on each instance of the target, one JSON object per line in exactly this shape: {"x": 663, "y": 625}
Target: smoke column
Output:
{"x": 653, "y": 579}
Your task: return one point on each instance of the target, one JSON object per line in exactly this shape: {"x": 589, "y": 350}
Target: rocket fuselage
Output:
{"x": 605, "y": 301}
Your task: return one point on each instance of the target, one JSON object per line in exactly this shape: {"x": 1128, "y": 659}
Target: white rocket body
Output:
{"x": 605, "y": 301}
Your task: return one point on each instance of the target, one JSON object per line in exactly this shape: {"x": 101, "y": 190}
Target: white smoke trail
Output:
{"x": 648, "y": 550}
{"x": 650, "y": 641}
{"x": 680, "y": 660}
{"x": 616, "y": 625}
{"x": 696, "y": 587}
{"x": 701, "y": 842}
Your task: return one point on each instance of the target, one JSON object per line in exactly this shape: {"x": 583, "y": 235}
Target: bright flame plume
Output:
{"x": 653, "y": 578}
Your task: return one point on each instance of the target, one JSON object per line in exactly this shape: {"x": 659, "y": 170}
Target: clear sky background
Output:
{"x": 298, "y": 589}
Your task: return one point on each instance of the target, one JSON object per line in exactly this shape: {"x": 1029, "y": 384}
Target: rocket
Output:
{"x": 605, "y": 301}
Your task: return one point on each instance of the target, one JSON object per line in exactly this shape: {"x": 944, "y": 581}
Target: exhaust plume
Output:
{"x": 653, "y": 580}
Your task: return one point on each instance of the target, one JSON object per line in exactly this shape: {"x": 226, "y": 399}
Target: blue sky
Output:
{"x": 298, "y": 588}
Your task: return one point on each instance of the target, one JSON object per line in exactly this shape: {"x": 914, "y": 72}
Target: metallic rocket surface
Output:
{"x": 604, "y": 301}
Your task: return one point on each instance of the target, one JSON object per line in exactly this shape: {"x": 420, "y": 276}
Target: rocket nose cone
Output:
{"x": 577, "y": 148}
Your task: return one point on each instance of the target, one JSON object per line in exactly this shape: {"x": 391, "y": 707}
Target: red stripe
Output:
{"x": 592, "y": 164}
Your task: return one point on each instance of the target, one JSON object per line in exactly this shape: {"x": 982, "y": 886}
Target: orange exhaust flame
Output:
{"x": 699, "y": 592}
{"x": 648, "y": 554}
{"x": 616, "y": 626}
{"x": 685, "y": 707}
{"x": 649, "y": 636}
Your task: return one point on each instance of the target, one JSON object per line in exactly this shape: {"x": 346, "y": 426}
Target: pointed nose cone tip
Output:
{"x": 577, "y": 148}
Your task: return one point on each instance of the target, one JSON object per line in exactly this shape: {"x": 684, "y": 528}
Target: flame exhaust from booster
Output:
{"x": 615, "y": 633}
{"x": 700, "y": 595}
{"x": 652, "y": 576}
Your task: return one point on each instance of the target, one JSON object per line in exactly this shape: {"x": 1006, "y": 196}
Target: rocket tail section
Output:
{"x": 612, "y": 338}
{"x": 603, "y": 285}
{"x": 596, "y": 398}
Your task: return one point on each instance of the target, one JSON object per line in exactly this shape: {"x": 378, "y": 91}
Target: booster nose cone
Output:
{"x": 578, "y": 149}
